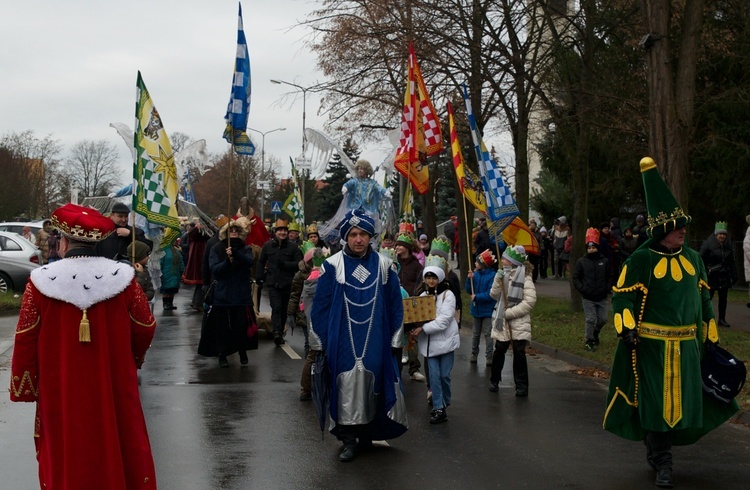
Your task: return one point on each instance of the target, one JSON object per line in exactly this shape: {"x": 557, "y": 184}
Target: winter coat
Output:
{"x": 519, "y": 316}
{"x": 440, "y": 336}
{"x": 746, "y": 249}
{"x": 410, "y": 273}
{"x": 591, "y": 276}
{"x": 233, "y": 287}
{"x": 298, "y": 283}
{"x": 483, "y": 303}
{"x": 279, "y": 261}
{"x": 719, "y": 261}
{"x": 171, "y": 268}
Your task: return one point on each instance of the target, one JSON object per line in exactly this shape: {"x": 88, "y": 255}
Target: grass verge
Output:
{"x": 555, "y": 325}
{"x": 9, "y": 302}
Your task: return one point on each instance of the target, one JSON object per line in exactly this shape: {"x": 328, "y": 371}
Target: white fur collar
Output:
{"x": 83, "y": 281}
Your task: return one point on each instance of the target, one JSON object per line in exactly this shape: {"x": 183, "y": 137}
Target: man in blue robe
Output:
{"x": 356, "y": 318}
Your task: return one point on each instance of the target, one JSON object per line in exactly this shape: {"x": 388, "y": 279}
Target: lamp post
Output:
{"x": 262, "y": 166}
{"x": 304, "y": 91}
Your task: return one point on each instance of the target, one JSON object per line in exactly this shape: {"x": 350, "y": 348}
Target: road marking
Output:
{"x": 5, "y": 345}
{"x": 290, "y": 352}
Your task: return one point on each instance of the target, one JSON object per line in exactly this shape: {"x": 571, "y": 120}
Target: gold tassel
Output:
{"x": 84, "y": 332}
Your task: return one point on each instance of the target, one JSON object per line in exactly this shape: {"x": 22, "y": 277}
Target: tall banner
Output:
{"x": 501, "y": 207}
{"x": 420, "y": 130}
{"x": 468, "y": 182}
{"x": 293, "y": 204}
{"x": 239, "y": 101}
{"x": 154, "y": 172}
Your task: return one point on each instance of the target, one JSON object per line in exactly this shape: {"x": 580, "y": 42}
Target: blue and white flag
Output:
{"x": 239, "y": 101}
{"x": 187, "y": 187}
{"x": 501, "y": 207}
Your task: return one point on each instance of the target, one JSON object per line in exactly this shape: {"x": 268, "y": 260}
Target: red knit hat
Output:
{"x": 81, "y": 223}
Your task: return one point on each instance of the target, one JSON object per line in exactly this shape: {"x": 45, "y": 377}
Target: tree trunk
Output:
{"x": 671, "y": 78}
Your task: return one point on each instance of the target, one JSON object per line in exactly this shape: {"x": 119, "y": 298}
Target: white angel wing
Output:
{"x": 322, "y": 151}
{"x": 193, "y": 154}
{"x": 126, "y": 134}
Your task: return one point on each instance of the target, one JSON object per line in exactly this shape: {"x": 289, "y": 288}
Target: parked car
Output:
{"x": 17, "y": 226}
{"x": 14, "y": 274}
{"x": 18, "y": 257}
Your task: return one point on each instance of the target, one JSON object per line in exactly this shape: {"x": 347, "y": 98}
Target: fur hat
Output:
{"x": 240, "y": 223}
{"x": 81, "y": 223}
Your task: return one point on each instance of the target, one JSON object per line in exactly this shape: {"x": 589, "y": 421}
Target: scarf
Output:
{"x": 516, "y": 280}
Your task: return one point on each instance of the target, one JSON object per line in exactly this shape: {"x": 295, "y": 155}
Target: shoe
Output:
{"x": 429, "y": 397}
{"x": 664, "y": 478}
{"x": 748, "y": 305}
{"x": 494, "y": 387}
{"x": 489, "y": 362}
{"x": 589, "y": 346}
{"x": 522, "y": 393}
{"x": 223, "y": 363}
{"x": 473, "y": 359}
{"x": 348, "y": 453}
{"x": 243, "y": 358}
{"x": 723, "y": 323}
{"x": 438, "y": 416}
{"x": 417, "y": 376}
{"x": 305, "y": 396}
{"x": 278, "y": 340}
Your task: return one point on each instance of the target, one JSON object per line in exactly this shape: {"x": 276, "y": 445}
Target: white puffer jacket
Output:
{"x": 518, "y": 316}
{"x": 440, "y": 336}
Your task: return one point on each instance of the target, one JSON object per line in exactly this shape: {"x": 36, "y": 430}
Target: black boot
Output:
{"x": 165, "y": 304}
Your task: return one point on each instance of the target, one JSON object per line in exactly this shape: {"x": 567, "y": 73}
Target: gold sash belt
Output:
{"x": 672, "y": 336}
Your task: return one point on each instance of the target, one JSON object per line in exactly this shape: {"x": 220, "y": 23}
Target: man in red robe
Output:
{"x": 84, "y": 328}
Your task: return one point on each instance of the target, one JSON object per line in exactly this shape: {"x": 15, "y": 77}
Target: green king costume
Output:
{"x": 662, "y": 294}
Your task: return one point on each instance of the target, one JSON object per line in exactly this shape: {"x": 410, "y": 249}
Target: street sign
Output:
{"x": 302, "y": 163}
{"x": 264, "y": 185}
{"x": 275, "y": 207}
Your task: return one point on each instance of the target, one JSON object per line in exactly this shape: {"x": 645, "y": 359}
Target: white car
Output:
{"x": 17, "y": 226}
{"x": 18, "y": 257}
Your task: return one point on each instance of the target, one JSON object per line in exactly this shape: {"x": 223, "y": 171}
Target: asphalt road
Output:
{"x": 244, "y": 427}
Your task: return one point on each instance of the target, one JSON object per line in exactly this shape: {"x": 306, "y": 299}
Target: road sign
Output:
{"x": 302, "y": 163}
{"x": 263, "y": 185}
{"x": 275, "y": 207}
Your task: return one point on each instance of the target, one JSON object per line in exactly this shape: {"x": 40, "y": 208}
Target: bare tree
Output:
{"x": 39, "y": 162}
{"x": 92, "y": 168}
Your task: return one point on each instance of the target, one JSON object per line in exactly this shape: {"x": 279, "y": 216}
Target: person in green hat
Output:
{"x": 663, "y": 316}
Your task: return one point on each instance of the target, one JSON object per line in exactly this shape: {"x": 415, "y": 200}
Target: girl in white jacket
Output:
{"x": 511, "y": 321}
{"x": 438, "y": 339}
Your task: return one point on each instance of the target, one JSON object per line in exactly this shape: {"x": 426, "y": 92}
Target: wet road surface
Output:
{"x": 244, "y": 427}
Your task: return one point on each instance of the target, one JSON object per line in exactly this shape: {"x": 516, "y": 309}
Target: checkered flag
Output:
{"x": 239, "y": 101}
{"x": 154, "y": 174}
{"x": 501, "y": 207}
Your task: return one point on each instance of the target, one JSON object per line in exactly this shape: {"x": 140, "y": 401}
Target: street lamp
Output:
{"x": 262, "y": 166}
{"x": 304, "y": 90}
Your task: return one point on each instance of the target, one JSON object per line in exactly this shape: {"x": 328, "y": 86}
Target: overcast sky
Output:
{"x": 68, "y": 68}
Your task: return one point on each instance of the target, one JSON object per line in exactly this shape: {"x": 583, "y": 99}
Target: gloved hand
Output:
{"x": 388, "y": 193}
{"x": 630, "y": 338}
{"x": 344, "y": 190}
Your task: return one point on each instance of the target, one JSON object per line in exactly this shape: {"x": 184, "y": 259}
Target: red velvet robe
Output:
{"x": 90, "y": 432}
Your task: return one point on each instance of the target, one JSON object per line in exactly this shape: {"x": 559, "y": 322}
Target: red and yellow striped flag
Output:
{"x": 469, "y": 183}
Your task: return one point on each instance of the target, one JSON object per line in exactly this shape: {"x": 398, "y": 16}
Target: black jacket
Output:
{"x": 719, "y": 261}
{"x": 233, "y": 287}
{"x": 116, "y": 247}
{"x": 591, "y": 276}
{"x": 278, "y": 263}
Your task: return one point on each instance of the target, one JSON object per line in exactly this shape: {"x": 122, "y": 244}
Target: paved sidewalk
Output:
{"x": 738, "y": 314}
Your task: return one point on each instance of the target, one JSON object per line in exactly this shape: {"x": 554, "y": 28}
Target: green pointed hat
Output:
{"x": 664, "y": 213}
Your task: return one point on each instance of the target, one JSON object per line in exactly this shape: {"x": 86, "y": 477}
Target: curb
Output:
{"x": 741, "y": 417}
